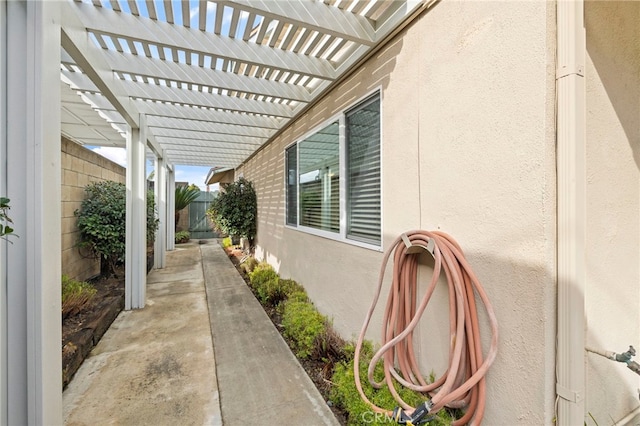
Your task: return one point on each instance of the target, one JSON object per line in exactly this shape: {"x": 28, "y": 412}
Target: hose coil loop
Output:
{"x": 463, "y": 383}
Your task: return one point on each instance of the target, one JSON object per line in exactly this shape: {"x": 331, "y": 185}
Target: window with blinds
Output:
{"x": 319, "y": 174}
{"x": 363, "y": 172}
{"x": 333, "y": 177}
{"x": 291, "y": 159}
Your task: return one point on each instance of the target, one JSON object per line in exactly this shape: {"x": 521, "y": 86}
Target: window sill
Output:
{"x": 335, "y": 237}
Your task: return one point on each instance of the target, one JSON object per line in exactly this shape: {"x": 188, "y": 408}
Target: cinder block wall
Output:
{"x": 80, "y": 166}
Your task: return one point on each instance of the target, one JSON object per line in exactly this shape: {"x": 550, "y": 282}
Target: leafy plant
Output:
{"x": 5, "y": 229}
{"x": 345, "y": 394}
{"x": 262, "y": 278}
{"x": 226, "y": 242}
{"x": 152, "y": 218}
{"x": 76, "y": 295}
{"x": 304, "y": 325}
{"x": 182, "y": 237}
{"x": 102, "y": 226}
{"x": 234, "y": 211}
{"x": 184, "y": 196}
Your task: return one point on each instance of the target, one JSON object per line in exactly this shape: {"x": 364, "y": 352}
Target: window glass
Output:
{"x": 316, "y": 174}
{"x": 319, "y": 179}
{"x": 291, "y": 159}
{"x": 363, "y": 172}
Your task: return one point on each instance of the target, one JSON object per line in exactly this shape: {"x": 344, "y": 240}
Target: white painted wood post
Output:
{"x": 30, "y": 141}
{"x": 161, "y": 206}
{"x": 171, "y": 210}
{"x": 136, "y": 225}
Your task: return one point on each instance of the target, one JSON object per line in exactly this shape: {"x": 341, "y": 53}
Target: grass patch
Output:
{"x": 76, "y": 295}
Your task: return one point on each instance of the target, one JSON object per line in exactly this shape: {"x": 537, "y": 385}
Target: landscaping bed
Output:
{"x": 82, "y": 331}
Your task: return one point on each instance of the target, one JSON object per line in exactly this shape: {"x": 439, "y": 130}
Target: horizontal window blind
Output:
{"x": 363, "y": 170}
{"x": 291, "y": 160}
{"x": 319, "y": 179}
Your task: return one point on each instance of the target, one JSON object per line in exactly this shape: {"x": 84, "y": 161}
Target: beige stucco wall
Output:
{"x": 613, "y": 204}
{"x": 80, "y": 166}
{"x": 468, "y": 148}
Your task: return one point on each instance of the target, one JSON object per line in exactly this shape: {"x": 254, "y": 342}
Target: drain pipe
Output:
{"x": 570, "y": 163}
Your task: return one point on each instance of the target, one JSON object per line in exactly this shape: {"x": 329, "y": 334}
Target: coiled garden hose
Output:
{"x": 463, "y": 384}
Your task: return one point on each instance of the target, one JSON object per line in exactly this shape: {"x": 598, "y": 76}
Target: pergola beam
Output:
{"x": 208, "y": 100}
{"x": 202, "y": 114}
{"x": 190, "y": 74}
{"x": 157, "y": 123}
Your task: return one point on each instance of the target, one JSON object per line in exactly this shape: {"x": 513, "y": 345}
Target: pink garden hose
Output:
{"x": 463, "y": 384}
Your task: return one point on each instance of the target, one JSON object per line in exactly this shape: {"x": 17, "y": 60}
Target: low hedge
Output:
{"x": 304, "y": 325}
{"x": 344, "y": 393}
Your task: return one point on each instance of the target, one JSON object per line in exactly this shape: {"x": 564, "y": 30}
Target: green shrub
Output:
{"x": 303, "y": 324}
{"x": 182, "y": 237}
{"x": 5, "y": 220}
{"x": 345, "y": 395}
{"x": 289, "y": 287}
{"x": 152, "y": 218}
{"x": 235, "y": 210}
{"x": 264, "y": 280}
{"x": 76, "y": 295}
{"x": 102, "y": 226}
{"x": 226, "y": 242}
{"x": 262, "y": 273}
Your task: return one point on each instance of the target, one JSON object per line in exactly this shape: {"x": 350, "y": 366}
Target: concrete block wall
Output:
{"x": 80, "y": 166}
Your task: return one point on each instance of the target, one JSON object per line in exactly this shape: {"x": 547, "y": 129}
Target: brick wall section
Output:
{"x": 80, "y": 166}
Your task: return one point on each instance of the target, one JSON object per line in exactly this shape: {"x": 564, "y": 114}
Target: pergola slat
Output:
{"x": 176, "y": 95}
{"x": 172, "y": 36}
{"x": 314, "y": 16}
{"x": 189, "y": 113}
{"x": 213, "y": 92}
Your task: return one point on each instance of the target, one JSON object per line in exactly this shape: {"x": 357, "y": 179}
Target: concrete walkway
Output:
{"x": 156, "y": 366}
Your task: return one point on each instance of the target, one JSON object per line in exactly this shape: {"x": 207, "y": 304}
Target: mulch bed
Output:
{"x": 320, "y": 372}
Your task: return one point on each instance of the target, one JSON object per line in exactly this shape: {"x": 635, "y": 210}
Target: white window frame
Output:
{"x": 340, "y": 236}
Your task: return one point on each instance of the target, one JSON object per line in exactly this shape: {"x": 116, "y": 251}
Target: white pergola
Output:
{"x": 188, "y": 83}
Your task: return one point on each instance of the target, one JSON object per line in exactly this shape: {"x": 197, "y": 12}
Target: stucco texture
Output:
{"x": 613, "y": 203}
{"x": 468, "y": 148}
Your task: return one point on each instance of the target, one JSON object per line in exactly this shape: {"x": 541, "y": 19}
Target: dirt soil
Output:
{"x": 81, "y": 332}
{"x": 320, "y": 372}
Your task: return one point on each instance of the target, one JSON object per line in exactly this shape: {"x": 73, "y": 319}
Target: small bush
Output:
{"x": 345, "y": 395}
{"x": 182, "y": 237}
{"x": 290, "y": 287}
{"x": 226, "y": 242}
{"x": 304, "y": 325}
{"x": 76, "y": 295}
{"x": 262, "y": 273}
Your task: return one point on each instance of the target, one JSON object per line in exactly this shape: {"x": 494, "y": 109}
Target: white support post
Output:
{"x": 171, "y": 210}
{"x": 136, "y": 222}
{"x": 570, "y": 386}
{"x": 161, "y": 205}
{"x": 30, "y": 171}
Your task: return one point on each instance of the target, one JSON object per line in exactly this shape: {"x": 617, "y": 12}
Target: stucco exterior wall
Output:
{"x": 468, "y": 148}
{"x": 613, "y": 204}
{"x": 80, "y": 167}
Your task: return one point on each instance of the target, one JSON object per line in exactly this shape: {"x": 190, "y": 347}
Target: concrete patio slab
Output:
{"x": 260, "y": 380}
{"x": 154, "y": 366}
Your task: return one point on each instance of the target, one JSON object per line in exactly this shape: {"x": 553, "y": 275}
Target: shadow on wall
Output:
{"x": 613, "y": 44}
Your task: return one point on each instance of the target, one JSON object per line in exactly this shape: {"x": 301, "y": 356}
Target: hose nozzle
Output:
{"x": 418, "y": 417}
{"x": 626, "y": 356}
